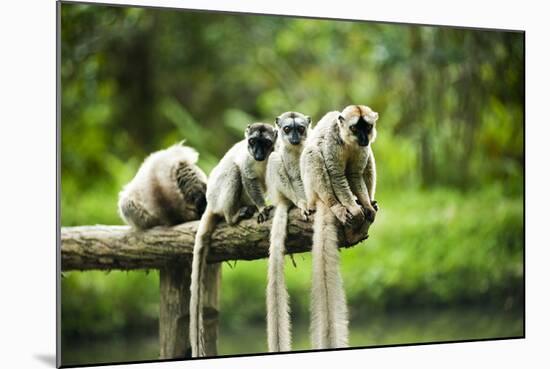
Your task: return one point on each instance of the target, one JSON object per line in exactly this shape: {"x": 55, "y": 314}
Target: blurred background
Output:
{"x": 444, "y": 260}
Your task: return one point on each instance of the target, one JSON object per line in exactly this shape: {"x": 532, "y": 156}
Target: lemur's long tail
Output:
{"x": 278, "y": 320}
{"x": 198, "y": 271}
{"x": 329, "y": 313}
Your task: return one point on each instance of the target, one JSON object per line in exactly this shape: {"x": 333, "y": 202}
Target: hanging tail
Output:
{"x": 329, "y": 312}
{"x": 198, "y": 271}
{"x": 278, "y": 319}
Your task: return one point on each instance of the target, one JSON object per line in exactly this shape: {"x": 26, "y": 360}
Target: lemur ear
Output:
{"x": 277, "y": 121}
{"x": 374, "y": 116}
{"x": 341, "y": 118}
{"x": 308, "y": 119}
{"x": 246, "y": 131}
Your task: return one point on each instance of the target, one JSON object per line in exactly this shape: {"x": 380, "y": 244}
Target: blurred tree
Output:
{"x": 135, "y": 80}
{"x": 451, "y": 101}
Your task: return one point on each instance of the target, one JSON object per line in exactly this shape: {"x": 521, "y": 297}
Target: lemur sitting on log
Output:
{"x": 168, "y": 189}
{"x": 338, "y": 172}
{"x": 285, "y": 189}
{"x": 236, "y": 189}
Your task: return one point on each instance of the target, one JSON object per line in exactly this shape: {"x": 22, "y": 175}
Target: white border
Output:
{"x": 27, "y": 144}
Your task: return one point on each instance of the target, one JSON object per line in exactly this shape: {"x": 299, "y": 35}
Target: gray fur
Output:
{"x": 285, "y": 189}
{"x": 334, "y": 167}
{"x": 235, "y": 187}
{"x": 338, "y": 171}
{"x": 169, "y": 188}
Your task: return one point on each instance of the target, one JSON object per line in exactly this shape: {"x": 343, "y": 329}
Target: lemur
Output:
{"x": 338, "y": 172}
{"x": 169, "y": 188}
{"x": 285, "y": 189}
{"x": 236, "y": 188}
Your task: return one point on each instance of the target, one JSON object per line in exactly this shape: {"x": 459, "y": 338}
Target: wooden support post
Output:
{"x": 175, "y": 279}
{"x": 211, "y": 311}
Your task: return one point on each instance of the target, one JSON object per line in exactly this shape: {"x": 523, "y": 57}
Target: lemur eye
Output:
{"x": 353, "y": 128}
{"x": 252, "y": 141}
{"x": 301, "y": 129}
{"x": 286, "y": 129}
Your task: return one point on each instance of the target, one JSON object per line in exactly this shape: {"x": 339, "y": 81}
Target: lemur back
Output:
{"x": 169, "y": 188}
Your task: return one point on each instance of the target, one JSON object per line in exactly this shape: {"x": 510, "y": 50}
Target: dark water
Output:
{"x": 380, "y": 329}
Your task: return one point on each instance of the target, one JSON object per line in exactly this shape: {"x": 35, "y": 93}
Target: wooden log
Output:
{"x": 120, "y": 247}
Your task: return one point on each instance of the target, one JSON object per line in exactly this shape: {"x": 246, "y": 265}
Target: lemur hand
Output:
{"x": 374, "y": 204}
{"x": 357, "y": 213}
{"x": 370, "y": 213}
{"x": 305, "y": 212}
{"x": 342, "y": 214}
{"x": 246, "y": 212}
{"x": 264, "y": 213}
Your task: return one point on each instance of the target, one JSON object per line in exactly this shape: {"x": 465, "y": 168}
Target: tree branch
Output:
{"x": 120, "y": 247}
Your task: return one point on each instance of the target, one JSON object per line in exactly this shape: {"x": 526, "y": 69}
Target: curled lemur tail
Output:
{"x": 329, "y": 313}
{"x": 200, "y": 251}
{"x": 278, "y": 320}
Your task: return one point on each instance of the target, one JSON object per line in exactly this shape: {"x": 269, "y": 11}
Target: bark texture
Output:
{"x": 120, "y": 247}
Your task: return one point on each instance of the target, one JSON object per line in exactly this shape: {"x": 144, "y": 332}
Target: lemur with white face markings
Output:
{"x": 339, "y": 175}
{"x": 236, "y": 189}
{"x": 285, "y": 189}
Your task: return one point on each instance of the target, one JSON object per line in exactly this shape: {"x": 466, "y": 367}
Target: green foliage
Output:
{"x": 105, "y": 304}
{"x": 136, "y": 80}
{"x": 449, "y": 150}
{"x": 440, "y": 247}
{"x": 436, "y": 248}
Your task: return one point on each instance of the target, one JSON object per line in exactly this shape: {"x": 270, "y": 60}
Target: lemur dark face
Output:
{"x": 358, "y": 125}
{"x": 362, "y": 130}
{"x": 293, "y": 127}
{"x": 261, "y": 139}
